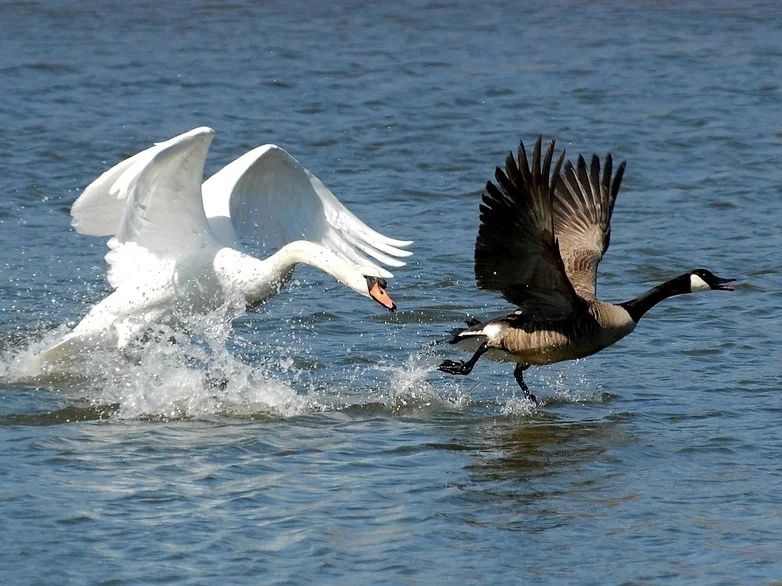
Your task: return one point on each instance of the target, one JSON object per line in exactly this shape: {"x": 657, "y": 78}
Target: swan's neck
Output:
{"x": 261, "y": 279}
{"x": 640, "y": 305}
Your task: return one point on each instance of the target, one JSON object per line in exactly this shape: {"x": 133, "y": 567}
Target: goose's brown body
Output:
{"x": 516, "y": 338}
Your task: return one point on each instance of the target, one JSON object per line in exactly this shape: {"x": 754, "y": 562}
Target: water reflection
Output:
{"x": 532, "y": 474}
{"x": 544, "y": 446}
{"x": 69, "y": 414}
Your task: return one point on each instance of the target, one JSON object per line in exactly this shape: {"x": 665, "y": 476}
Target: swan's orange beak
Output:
{"x": 377, "y": 291}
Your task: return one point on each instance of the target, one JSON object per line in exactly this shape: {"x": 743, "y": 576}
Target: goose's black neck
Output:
{"x": 640, "y": 305}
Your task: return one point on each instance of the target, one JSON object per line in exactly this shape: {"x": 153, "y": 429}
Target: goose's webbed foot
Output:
{"x": 529, "y": 395}
{"x": 452, "y": 367}
{"x": 463, "y": 367}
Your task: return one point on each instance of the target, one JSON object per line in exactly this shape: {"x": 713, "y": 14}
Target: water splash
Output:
{"x": 175, "y": 373}
{"x": 571, "y": 385}
{"x": 197, "y": 374}
{"x": 193, "y": 382}
{"x": 519, "y": 405}
{"x": 565, "y": 384}
{"x": 409, "y": 388}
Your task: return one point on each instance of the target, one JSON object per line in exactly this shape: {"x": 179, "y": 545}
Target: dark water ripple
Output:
{"x": 337, "y": 454}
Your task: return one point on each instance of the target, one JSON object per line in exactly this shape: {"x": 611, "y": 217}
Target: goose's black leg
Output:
{"x": 518, "y": 373}
{"x": 463, "y": 367}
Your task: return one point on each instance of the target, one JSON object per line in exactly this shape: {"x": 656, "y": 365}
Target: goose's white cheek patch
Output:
{"x": 698, "y": 284}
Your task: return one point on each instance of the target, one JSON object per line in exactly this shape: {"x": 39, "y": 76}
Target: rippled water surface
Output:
{"x": 337, "y": 453}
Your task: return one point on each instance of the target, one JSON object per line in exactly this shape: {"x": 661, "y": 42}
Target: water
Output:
{"x": 337, "y": 453}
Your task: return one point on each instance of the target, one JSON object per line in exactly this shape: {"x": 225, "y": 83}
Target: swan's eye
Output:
{"x": 380, "y": 281}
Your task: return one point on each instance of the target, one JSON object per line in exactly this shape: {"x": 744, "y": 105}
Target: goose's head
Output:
{"x": 704, "y": 280}
{"x": 376, "y": 289}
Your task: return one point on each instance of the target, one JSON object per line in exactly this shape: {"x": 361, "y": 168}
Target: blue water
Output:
{"x": 338, "y": 453}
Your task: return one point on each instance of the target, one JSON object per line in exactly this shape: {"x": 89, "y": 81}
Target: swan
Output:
{"x": 540, "y": 240}
{"x": 175, "y": 244}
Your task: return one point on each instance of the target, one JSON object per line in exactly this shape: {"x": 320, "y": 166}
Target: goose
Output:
{"x": 541, "y": 237}
{"x": 175, "y": 245}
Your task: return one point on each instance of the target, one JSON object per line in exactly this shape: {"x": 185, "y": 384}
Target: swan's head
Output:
{"x": 376, "y": 289}
{"x": 364, "y": 278}
{"x": 703, "y": 280}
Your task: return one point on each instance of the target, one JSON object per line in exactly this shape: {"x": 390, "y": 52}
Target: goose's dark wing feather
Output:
{"x": 583, "y": 203}
{"x": 516, "y": 252}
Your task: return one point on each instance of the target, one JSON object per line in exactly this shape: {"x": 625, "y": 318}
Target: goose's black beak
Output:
{"x": 377, "y": 291}
{"x": 720, "y": 284}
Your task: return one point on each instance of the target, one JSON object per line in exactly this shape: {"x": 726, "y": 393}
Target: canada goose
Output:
{"x": 175, "y": 246}
{"x": 540, "y": 240}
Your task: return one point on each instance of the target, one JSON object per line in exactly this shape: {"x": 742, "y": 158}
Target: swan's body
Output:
{"x": 541, "y": 238}
{"x": 175, "y": 245}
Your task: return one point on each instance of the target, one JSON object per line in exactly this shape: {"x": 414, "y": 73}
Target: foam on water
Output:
{"x": 174, "y": 382}
{"x": 171, "y": 375}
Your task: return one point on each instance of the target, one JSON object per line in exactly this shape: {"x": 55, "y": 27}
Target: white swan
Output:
{"x": 175, "y": 248}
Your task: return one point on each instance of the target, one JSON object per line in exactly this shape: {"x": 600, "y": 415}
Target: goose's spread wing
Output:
{"x": 161, "y": 217}
{"x": 515, "y": 251}
{"x": 266, "y": 196}
{"x": 583, "y": 203}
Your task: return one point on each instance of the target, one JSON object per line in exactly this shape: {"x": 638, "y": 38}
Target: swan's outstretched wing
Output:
{"x": 151, "y": 203}
{"x": 98, "y": 211}
{"x": 515, "y": 251}
{"x": 267, "y": 196}
{"x": 583, "y": 203}
{"x": 163, "y": 212}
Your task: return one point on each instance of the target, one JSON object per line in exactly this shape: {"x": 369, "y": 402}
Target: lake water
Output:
{"x": 338, "y": 453}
